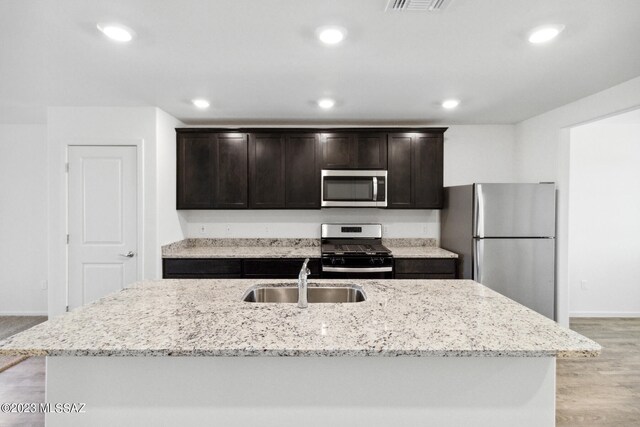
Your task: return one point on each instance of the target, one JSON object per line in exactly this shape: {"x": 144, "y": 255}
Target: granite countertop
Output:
{"x": 243, "y": 248}
{"x": 289, "y": 248}
{"x": 442, "y": 318}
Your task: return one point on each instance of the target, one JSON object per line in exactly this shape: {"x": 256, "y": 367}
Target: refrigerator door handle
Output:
{"x": 479, "y": 211}
{"x": 477, "y": 256}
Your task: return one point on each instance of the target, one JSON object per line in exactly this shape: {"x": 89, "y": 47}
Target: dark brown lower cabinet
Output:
{"x": 236, "y": 268}
{"x": 288, "y": 268}
{"x": 201, "y": 268}
{"x": 278, "y": 268}
{"x": 425, "y": 268}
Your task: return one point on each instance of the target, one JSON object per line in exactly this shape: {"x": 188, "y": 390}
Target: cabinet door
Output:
{"x": 338, "y": 151}
{"x": 302, "y": 185}
{"x": 201, "y": 268}
{"x": 195, "y": 172}
{"x": 371, "y": 151}
{"x": 281, "y": 268}
{"x": 425, "y": 268}
{"x": 427, "y": 171}
{"x": 266, "y": 171}
{"x": 231, "y": 171}
{"x": 400, "y": 165}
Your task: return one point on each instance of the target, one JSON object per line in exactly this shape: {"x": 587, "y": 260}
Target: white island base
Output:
{"x": 304, "y": 391}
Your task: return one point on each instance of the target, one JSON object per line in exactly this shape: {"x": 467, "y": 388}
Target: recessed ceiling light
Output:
{"x": 116, "y": 32}
{"x": 331, "y": 34}
{"x": 450, "y": 104}
{"x": 201, "y": 103}
{"x": 545, "y": 33}
{"x": 326, "y": 103}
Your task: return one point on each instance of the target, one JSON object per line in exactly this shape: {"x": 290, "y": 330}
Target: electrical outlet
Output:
{"x": 44, "y": 285}
{"x": 203, "y": 230}
{"x": 583, "y": 285}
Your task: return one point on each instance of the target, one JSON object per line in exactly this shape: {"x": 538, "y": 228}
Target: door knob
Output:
{"x": 129, "y": 254}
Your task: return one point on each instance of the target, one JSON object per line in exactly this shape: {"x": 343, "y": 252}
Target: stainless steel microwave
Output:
{"x": 353, "y": 188}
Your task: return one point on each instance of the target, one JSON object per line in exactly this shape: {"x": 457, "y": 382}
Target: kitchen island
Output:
{"x": 191, "y": 352}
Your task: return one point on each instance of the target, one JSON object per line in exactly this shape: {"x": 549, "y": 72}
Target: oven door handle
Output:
{"x": 357, "y": 269}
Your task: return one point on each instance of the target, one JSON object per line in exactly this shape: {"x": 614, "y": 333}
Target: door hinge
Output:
{"x": 67, "y": 308}
{"x": 67, "y": 239}
{"x": 66, "y": 167}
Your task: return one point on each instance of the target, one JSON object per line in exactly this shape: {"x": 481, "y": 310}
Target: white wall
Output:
{"x": 542, "y": 154}
{"x": 23, "y": 219}
{"x": 95, "y": 125}
{"x": 171, "y": 223}
{"x": 471, "y": 154}
{"x": 306, "y": 223}
{"x": 479, "y": 153}
{"x": 604, "y": 231}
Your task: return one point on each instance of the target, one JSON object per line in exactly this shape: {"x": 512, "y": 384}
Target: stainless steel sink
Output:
{"x": 319, "y": 294}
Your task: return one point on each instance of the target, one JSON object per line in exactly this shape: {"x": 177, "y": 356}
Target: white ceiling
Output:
{"x": 259, "y": 63}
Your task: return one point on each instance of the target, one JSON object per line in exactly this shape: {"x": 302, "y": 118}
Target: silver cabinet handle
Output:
{"x": 357, "y": 269}
{"x": 129, "y": 254}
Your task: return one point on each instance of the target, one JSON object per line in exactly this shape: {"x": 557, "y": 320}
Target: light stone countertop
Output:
{"x": 433, "y": 318}
{"x": 289, "y": 248}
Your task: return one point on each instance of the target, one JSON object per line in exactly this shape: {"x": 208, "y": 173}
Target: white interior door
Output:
{"x": 102, "y": 211}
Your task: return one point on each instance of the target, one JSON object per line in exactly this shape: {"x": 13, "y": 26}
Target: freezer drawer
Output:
{"x": 514, "y": 210}
{"x": 520, "y": 269}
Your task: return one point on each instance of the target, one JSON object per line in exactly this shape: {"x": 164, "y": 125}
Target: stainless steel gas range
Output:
{"x": 355, "y": 251}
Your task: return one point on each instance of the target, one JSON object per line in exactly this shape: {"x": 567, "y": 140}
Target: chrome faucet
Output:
{"x": 302, "y": 285}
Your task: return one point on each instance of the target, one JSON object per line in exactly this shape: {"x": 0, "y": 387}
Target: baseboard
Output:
{"x": 23, "y": 313}
{"x": 604, "y": 314}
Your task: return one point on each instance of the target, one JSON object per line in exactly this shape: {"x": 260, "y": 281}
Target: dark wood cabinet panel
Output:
{"x": 371, "y": 151}
{"x": 302, "y": 175}
{"x": 196, "y": 176}
{"x": 256, "y": 268}
{"x": 415, "y": 171}
{"x": 427, "y": 174}
{"x": 230, "y": 165}
{"x": 338, "y": 150}
{"x": 266, "y": 171}
{"x": 399, "y": 172}
{"x": 201, "y": 268}
{"x": 367, "y": 150}
{"x": 425, "y": 268}
{"x": 286, "y": 268}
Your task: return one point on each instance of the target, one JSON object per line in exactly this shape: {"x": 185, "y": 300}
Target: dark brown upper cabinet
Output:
{"x": 302, "y": 173}
{"x": 280, "y": 168}
{"x": 212, "y": 171}
{"x": 231, "y": 190}
{"x": 196, "y": 176}
{"x": 266, "y": 171}
{"x": 354, "y": 150}
{"x": 415, "y": 170}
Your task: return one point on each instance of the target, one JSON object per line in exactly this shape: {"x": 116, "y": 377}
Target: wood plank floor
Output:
{"x": 604, "y": 391}
{"x": 25, "y": 381}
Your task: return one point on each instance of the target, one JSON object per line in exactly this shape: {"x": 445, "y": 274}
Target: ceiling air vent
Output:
{"x": 417, "y": 5}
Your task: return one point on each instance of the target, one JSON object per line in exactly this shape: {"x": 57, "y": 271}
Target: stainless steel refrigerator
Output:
{"x": 505, "y": 236}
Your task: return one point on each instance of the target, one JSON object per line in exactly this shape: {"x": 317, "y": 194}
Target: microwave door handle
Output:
{"x": 375, "y": 188}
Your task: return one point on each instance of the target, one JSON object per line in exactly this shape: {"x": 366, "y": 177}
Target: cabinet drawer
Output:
{"x": 278, "y": 267}
{"x": 190, "y": 268}
{"x": 437, "y": 266}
